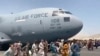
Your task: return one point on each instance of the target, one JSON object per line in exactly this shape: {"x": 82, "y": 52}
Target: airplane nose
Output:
{"x": 77, "y": 24}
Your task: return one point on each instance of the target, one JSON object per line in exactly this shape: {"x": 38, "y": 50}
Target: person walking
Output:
{"x": 10, "y": 51}
{"x": 26, "y": 48}
{"x": 90, "y": 45}
{"x": 41, "y": 48}
{"x": 75, "y": 48}
{"x": 65, "y": 49}
{"x": 53, "y": 48}
{"x": 34, "y": 49}
{"x": 45, "y": 47}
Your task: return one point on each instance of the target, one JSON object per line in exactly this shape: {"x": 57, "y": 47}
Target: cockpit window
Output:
{"x": 67, "y": 12}
{"x": 62, "y": 12}
{"x": 66, "y": 19}
{"x": 55, "y": 13}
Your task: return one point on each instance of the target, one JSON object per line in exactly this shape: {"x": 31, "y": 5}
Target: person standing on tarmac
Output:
{"x": 53, "y": 48}
{"x": 34, "y": 49}
{"x": 45, "y": 47}
{"x": 90, "y": 45}
{"x": 41, "y": 48}
{"x": 75, "y": 48}
{"x": 10, "y": 51}
{"x": 65, "y": 49}
{"x": 26, "y": 48}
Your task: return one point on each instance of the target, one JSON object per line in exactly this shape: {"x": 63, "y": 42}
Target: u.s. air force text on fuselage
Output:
{"x": 54, "y": 22}
{"x": 32, "y": 16}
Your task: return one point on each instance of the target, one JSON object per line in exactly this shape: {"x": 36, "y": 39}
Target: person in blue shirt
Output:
{"x": 75, "y": 48}
{"x": 53, "y": 49}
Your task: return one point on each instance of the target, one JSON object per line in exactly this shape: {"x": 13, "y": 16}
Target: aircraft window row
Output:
{"x": 62, "y": 12}
{"x": 55, "y": 13}
{"x": 66, "y": 19}
{"x": 67, "y": 12}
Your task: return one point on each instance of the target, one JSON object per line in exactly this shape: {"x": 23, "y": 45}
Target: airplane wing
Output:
{"x": 4, "y": 38}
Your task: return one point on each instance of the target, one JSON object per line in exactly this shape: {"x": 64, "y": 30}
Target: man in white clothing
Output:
{"x": 41, "y": 48}
{"x": 34, "y": 49}
{"x": 10, "y": 51}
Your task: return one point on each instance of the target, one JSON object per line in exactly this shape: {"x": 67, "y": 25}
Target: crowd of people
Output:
{"x": 64, "y": 48}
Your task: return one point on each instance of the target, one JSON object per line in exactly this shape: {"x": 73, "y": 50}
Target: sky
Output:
{"x": 88, "y": 11}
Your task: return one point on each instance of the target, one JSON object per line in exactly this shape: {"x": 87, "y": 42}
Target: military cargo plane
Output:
{"x": 41, "y": 23}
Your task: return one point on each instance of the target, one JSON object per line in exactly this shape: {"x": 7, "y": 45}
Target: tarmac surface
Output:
{"x": 84, "y": 52}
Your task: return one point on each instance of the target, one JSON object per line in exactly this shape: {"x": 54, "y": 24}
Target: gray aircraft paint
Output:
{"x": 38, "y": 24}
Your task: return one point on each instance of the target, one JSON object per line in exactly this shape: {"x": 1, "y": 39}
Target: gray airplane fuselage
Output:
{"x": 43, "y": 23}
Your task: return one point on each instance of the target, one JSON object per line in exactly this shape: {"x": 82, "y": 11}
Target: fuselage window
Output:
{"x": 55, "y": 13}
{"x": 66, "y": 19}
